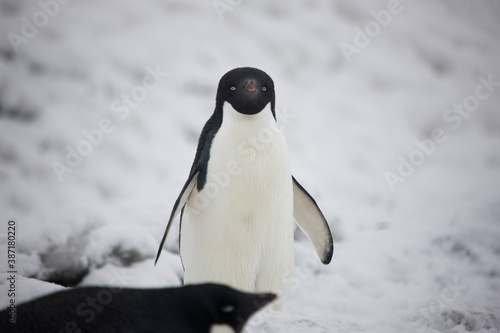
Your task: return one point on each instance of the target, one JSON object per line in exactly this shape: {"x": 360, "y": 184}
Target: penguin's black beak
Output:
{"x": 252, "y": 304}
{"x": 250, "y": 85}
{"x": 264, "y": 299}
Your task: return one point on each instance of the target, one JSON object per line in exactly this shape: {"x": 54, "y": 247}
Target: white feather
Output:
{"x": 239, "y": 229}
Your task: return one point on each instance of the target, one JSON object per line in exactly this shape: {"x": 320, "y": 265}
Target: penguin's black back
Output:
{"x": 202, "y": 156}
{"x": 124, "y": 310}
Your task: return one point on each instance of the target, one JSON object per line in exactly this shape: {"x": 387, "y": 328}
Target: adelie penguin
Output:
{"x": 191, "y": 309}
{"x": 240, "y": 199}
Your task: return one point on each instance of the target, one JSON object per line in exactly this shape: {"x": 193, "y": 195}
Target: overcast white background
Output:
{"x": 423, "y": 256}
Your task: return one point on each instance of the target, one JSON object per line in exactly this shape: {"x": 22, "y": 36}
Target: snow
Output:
{"x": 422, "y": 258}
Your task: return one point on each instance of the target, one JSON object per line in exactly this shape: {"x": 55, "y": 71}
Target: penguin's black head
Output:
{"x": 232, "y": 307}
{"x": 247, "y": 89}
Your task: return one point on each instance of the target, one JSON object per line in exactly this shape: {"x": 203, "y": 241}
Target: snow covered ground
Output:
{"x": 362, "y": 87}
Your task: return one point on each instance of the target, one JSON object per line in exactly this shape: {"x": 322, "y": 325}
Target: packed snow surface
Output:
{"x": 391, "y": 110}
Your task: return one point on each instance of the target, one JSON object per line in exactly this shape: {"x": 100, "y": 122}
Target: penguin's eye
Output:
{"x": 232, "y": 88}
{"x": 227, "y": 308}
{"x": 264, "y": 88}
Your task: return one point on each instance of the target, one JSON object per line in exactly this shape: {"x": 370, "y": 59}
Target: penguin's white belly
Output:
{"x": 239, "y": 229}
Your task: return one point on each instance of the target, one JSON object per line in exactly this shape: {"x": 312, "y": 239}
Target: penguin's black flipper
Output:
{"x": 198, "y": 174}
{"x": 312, "y": 222}
{"x": 179, "y": 204}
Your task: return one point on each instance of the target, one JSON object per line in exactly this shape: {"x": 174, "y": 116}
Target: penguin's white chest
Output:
{"x": 238, "y": 229}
